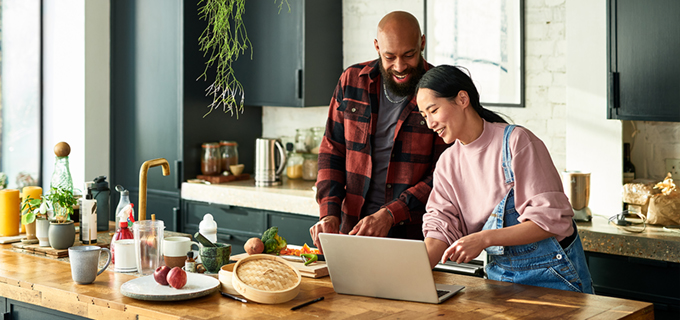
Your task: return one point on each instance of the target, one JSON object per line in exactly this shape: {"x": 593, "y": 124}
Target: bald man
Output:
{"x": 377, "y": 155}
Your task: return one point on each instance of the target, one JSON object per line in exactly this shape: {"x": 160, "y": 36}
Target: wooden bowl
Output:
{"x": 266, "y": 279}
{"x": 236, "y": 169}
{"x": 225, "y": 275}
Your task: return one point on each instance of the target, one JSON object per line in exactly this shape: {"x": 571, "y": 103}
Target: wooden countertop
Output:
{"x": 47, "y": 282}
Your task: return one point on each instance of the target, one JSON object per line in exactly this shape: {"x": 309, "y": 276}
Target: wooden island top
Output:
{"x": 47, "y": 282}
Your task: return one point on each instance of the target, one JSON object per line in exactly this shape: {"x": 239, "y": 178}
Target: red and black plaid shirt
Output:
{"x": 345, "y": 161}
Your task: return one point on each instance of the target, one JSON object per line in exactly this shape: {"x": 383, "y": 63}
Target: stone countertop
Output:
{"x": 292, "y": 196}
{"x": 654, "y": 242}
{"x": 297, "y": 196}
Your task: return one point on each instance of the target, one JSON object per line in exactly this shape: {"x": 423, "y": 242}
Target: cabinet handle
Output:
{"x": 298, "y": 83}
{"x": 178, "y": 174}
{"x": 175, "y": 217}
{"x": 614, "y": 99}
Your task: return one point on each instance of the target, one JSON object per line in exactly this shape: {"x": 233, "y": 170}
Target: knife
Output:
{"x": 300, "y": 259}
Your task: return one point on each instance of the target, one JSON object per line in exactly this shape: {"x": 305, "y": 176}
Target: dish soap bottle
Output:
{"x": 208, "y": 227}
{"x": 122, "y": 229}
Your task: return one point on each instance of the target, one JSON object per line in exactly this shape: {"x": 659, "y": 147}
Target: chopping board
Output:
{"x": 224, "y": 179}
{"x": 103, "y": 240}
{"x": 314, "y": 270}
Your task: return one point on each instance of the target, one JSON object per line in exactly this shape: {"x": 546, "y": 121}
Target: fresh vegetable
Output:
{"x": 254, "y": 246}
{"x": 309, "y": 258}
{"x": 273, "y": 243}
{"x": 297, "y": 252}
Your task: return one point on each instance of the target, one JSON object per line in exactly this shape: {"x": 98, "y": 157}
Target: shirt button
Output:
{"x": 401, "y": 223}
{"x": 354, "y": 109}
{"x": 393, "y": 155}
{"x": 422, "y": 122}
{"x": 558, "y": 256}
{"x": 389, "y": 186}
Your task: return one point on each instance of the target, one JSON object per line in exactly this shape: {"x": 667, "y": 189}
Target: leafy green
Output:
{"x": 63, "y": 201}
{"x": 273, "y": 243}
{"x": 29, "y": 208}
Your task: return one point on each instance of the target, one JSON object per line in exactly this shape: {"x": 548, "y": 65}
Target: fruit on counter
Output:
{"x": 177, "y": 278}
{"x": 273, "y": 243}
{"x": 161, "y": 275}
{"x": 254, "y": 246}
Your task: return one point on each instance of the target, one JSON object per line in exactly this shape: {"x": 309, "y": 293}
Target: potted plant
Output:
{"x": 30, "y": 209}
{"x": 62, "y": 231}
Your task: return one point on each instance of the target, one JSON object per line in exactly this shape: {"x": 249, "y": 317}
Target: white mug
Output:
{"x": 125, "y": 256}
{"x": 177, "y": 246}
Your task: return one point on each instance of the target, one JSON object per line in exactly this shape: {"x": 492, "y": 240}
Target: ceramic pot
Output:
{"x": 42, "y": 227}
{"x": 30, "y": 230}
{"x": 62, "y": 235}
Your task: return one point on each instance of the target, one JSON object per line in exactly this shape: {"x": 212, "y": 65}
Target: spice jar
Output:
{"x": 294, "y": 163}
{"x": 210, "y": 160}
{"x": 303, "y": 140}
{"x": 229, "y": 154}
{"x": 317, "y": 136}
{"x": 310, "y": 166}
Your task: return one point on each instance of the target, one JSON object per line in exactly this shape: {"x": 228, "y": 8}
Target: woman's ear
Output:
{"x": 463, "y": 98}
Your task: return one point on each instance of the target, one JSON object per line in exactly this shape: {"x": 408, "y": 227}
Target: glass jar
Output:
{"x": 310, "y": 166}
{"x": 229, "y": 154}
{"x": 303, "y": 140}
{"x": 210, "y": 160}
{"x": 294, "y": 165}
{"x": 317, "y": 136}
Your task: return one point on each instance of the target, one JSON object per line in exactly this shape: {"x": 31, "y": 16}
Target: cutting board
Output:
{"x": 224, "y": 179}
{"x": 103, "y": 240}
{"x": 314, "y": 270}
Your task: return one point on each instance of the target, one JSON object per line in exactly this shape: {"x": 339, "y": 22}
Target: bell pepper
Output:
{"x": 309, "y": 258}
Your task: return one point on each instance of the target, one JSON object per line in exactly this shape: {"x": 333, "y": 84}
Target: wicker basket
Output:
{"x": 266, "y": 279}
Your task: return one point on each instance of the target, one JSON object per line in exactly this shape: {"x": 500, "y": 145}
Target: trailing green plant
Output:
{"x": 32, "y": 209}
{"x": 62, "y": 200}
{"x": 224, "y": 40}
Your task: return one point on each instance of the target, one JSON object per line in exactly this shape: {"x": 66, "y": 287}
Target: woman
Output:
{"x": 496, "y": 189}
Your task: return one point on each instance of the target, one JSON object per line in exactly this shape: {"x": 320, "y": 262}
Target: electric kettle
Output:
{"x": 270, "y": 161}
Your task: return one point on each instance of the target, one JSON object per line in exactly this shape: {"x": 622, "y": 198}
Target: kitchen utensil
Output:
{"x": 148, "y": 236}
{"x": 234, "y": 297}
{"x": 84, "y": 262}
{"x": 124, "y": 255}
{"x": 266, "y": 279}
{"x": 175, "y": 250}
{"x": 306, "y": 303}
{"x": 146, "y": 288}
{"x": 203, "y": 240}
{"x": 320, "y": 257}
{"x": 213, "y": 258}
{"x": 270, "y": 161}
{"x": 577, "y": 188}
{"x": 225, "y": 274}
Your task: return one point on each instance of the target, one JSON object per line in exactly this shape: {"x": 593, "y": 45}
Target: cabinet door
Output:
{"x": 20, "y": 310}
{"x": 644, "y": 81}
{"x": 293, "y": 227}
{"x": 146, "y": 62}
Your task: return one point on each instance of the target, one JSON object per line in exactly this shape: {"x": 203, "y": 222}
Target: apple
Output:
{"x": 177, "y": 278}
{"x": 161, "y": 275}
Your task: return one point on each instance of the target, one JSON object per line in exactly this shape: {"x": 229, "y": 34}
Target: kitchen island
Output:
{"x": 39, "y": 281}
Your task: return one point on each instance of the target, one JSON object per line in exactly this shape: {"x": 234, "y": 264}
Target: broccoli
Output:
{"x": 273, "y": 243}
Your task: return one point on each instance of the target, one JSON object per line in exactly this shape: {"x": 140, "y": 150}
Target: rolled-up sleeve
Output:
{"x": 442, "y": 219}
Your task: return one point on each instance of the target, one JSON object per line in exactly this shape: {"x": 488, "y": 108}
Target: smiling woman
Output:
{"x": 20, "y": 79}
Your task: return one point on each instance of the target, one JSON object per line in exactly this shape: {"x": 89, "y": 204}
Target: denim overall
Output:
{"x": 544, "y": 263}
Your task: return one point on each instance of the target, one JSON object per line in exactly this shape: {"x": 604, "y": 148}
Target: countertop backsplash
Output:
{"x": 282, "y": 121}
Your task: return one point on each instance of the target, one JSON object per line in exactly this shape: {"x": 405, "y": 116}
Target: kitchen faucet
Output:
{"x": 142, "y": 181}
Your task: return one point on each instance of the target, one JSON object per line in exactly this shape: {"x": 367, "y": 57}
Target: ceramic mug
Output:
{"x": 213, "y": 258}
{"x": 175, "y": 250}
{"x": 85, "y": 261}
{"x": 125, "y": 255}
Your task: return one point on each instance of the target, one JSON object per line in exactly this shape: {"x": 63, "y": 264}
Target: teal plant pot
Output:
{"x": 62, "y": 235}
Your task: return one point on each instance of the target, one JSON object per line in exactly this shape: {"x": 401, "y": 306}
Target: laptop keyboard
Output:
{"x": 440, "y": 293}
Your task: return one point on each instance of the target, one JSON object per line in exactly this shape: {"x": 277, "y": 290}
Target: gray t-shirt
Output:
{"x": 389, "y": 110}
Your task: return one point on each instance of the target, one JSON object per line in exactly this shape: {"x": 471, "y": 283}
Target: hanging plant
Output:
{"x": 223, "y": 41}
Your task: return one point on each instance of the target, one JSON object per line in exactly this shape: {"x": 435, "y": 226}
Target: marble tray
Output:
{"x": 146, "y": 288}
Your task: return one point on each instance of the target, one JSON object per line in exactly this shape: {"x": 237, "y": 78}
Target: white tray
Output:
{"x": 146, "y": 288}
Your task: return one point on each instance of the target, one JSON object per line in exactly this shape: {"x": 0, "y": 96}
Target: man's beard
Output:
{"x": 403, "y": 89}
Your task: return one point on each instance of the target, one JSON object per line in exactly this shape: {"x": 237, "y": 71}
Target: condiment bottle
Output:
{"x": 210, "y": 161}
{"x": 123, "y": 232}
{"x": 190, "y": 263}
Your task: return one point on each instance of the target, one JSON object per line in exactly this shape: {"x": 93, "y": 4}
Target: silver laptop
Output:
{"x": 382, "y": 267}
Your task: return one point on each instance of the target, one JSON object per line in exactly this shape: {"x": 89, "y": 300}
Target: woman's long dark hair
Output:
{"x": 446, "y": 81}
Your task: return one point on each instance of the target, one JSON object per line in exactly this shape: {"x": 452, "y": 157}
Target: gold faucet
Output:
{"x": 142, "y": 181}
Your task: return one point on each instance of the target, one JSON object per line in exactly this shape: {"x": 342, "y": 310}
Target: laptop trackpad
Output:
{"x": 450, "y": 290}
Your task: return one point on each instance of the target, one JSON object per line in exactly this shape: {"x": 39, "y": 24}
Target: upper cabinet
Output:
{"x": 644, "y": 72}
{"x": 296, "y": 54}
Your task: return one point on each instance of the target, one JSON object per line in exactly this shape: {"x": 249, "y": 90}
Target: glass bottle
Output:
{"x": 317, "y": 136}
{"x": 229, "y": 154}
{"x": 303, "y": 140}
{"x": 628, "y": 167}
{"x": 310, "y": 166}
{"x": 294, "y": 163}
{"x": 124, "y": 201}
{"x": 190, "y": 263}
{"x": 210, "y": 161}
{"x": 61, "y": 177}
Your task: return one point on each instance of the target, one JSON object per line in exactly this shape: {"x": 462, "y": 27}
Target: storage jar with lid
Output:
{"x": 310, "y": 166}
{"x": 294, "y": 163}
{"x": 229, "y": 154}
{"x": 210, "y": 160}
{"x": 303, "y": 140}
{"x": 317, "y": 136}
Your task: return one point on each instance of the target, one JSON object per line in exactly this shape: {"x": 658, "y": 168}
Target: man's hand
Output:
{"x": 329, "y": 224}
{"x": 466, "y": 248}
{"x": 375, "y": 225}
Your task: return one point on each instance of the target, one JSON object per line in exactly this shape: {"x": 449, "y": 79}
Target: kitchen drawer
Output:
{"x": 229, "y": 219}
{"x": 293, "y": 227}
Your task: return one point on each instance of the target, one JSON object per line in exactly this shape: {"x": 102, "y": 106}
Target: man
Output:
{"x": 377, "y": 156}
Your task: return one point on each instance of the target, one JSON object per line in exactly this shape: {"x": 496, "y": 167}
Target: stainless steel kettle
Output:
{"x": 270, "y": 161}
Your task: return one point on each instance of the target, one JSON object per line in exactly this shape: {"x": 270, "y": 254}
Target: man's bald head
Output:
{"x": 401, "y": 22}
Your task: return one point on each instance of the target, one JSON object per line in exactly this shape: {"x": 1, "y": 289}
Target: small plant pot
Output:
{"x": 42, "y": 227}
{"x": 62, "y": 235}
{"x": 30, "y": 230}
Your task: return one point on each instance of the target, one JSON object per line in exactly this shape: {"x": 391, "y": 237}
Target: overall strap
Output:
{"x": 506, "y": 157}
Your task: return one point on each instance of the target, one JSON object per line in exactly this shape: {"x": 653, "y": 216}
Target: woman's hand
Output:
{"x": 466, "y": 248}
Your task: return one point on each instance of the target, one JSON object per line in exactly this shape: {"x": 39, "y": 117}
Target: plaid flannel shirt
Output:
{"x": 345, "y": 161}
